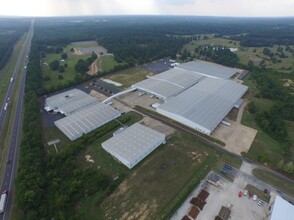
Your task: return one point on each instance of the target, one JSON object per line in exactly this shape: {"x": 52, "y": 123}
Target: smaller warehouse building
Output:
{"x": 133, "y": 144}
{"x": 86, "y": 120}
{"x": 282, "y": 210}
{"x": 69, "y": 102}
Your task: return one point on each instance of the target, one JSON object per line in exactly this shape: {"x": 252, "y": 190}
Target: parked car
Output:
{"x": 254, "y": 197}
{"x": 245, "y": 192}
{"x": 259, "y": 203}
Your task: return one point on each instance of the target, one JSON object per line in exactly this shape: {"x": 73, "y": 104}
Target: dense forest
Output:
{"x": 10, "y": 32}
{"x": 145, "y": 38}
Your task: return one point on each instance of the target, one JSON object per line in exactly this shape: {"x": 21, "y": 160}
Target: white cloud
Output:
{"x": 170, "y": 7}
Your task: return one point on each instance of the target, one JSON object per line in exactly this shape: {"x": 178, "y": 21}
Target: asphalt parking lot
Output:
{"x": 158, "y": 66}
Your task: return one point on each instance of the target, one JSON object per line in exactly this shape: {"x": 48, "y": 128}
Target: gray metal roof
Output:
{"x": 69, "y": 101}
{"x": 168, "y": 83}
{"x": 86, "y": 120}
{"x": 133, "y": 144}
{"x": 206, "y": 103}
{"x": 208, "y": 69}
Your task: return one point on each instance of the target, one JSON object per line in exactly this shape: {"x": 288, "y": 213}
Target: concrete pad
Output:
{"x": 238, "y": 138}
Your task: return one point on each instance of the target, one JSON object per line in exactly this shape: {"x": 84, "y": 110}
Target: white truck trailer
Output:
{"x": 5, "y": 106}
{"x": 3, "y": 201}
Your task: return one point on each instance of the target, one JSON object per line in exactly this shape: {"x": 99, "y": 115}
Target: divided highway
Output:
{"x": 14, "y": 139}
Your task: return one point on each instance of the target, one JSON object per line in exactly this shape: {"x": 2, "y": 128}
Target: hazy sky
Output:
{"x": 162, "y": 7}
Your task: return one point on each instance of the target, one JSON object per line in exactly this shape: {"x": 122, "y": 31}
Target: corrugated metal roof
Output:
{"x": 208, "y": 69}
{"x": 86, "y": 120}
{"x": 69, "y": 101}
{"x": 133, "y": 144}
{"x": 207, "y": 102}
{"x": 282, "y": 210}
{"x": 168, "y": 83}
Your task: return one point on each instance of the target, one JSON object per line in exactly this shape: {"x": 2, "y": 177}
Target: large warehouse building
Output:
{"x": 204, "y": 105}
{"x": 68, "y": 102}
{"x": 197, "y": 94}
{"x": 208, "y": 69}
{"x": 169, "y": 83}
{"x": 133, "y": 144}
{"x": 86, "y": 120}
{"x": 281, "y": 210}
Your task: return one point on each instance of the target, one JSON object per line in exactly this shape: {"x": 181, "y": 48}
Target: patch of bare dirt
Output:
{"x": 93, "y": 67}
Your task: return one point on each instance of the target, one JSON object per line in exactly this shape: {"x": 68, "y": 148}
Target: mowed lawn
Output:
{"x": 107, "y": 63}
{"x": 129, "y": 76}
{"x": 154, "y": 183}
{"x": 68, "y": 75}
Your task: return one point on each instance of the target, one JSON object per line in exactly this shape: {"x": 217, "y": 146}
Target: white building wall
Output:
{"x": 139, "y": 158}
{"x": 184, "y": 121}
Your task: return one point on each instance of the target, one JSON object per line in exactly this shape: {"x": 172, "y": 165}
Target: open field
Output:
{"x": 153, "y": 188}
{"x": 69, "y": 73}
{"x": 263, "y": 144}
{"x": 155, "y": 181}
{"x": 214, "y": 41}
{"x": 244, "y": 53}
{"x": 284, "y": 186}
{"x": 107, "y": 63}
{"x": 129, "y": 76}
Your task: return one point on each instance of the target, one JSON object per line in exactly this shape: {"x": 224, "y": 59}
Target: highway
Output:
{"x": 14, "y": 139}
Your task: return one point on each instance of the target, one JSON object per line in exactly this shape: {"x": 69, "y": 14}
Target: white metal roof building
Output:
{"x": 68, "y": 102}
{"x": 282, "y": 210}
{"x": 168, "y": 83}
{"x": 204, "y": 105}
{"x": 86, "y": 120}
{"x": 208, "y": 69}
{"x": 133, "y": 144}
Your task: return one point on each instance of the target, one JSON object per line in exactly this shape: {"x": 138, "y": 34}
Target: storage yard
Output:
{"x": 218, "y": 198}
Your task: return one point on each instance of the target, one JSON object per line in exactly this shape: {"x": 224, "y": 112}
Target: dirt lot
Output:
{"x": 225, "y": 195}
{"x": 157, "y": 125}
{"x": 238, "y": 138}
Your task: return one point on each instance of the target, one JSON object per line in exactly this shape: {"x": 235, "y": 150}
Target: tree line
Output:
{"x": 10, "y": 33}
{"x": 49, "y": 186}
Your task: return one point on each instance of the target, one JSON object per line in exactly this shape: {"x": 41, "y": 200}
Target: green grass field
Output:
{"x": 263, "y": 144}
{"x": 157, "y": 185}
{"x": 69, "y": 73}
{"x": 129, "y": 76}
{"x": 286, "y": 187}
{"x": 260, "y": 194}
{"x": 107, "y": 63}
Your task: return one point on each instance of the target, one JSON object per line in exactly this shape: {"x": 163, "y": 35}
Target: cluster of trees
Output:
{"x": 134, "y": 47}
{"x": 82, "y": 66}
{"x": 10, "y": 33}
{"x": 49, "y": 186}
{"x": 217, "y": 54}
{"x": 272, "y": 120}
